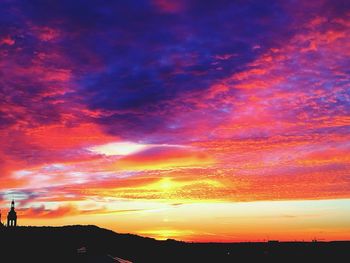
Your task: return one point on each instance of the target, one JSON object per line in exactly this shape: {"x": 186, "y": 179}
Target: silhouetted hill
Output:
{"x": 60, "y": 244}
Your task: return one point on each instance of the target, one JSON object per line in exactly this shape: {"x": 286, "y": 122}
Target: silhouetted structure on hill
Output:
{"x": 1, "y": 224}
{"x": 12, "y": 216}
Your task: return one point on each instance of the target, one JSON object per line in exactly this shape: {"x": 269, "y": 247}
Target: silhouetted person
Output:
{"x": 12, "y": 216}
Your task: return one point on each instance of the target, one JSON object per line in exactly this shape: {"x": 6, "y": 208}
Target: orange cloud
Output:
{"x": 164, "y": 158}
{"x": 42, "y": 212}
{"x": 64, "y": 211}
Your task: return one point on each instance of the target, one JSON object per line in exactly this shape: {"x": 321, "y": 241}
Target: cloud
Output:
{"x": 42, "y": 212}
{"x": 119, "y": 148}
{"x": 228, "y": 100}
{"x": 170, "y": 6}
{"x": 66, "y": 210}
{"x": 164, "y": 157}
{"x": 7, "y": 41}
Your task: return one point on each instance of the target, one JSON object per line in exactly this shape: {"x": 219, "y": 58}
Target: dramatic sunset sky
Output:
{"x": 225, "y": 120}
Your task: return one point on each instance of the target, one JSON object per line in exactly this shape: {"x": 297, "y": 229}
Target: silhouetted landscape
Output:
{"x": 94, "y": 244}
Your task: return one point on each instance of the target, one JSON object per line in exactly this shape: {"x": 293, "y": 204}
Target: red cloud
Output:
{"x": 42, "y": 212}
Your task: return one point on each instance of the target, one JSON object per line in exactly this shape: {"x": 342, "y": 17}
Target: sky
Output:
{"x": 197, "y": 120}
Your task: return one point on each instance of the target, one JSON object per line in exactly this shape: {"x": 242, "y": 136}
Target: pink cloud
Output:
{"x": 169, "y": 6}
{"x": 7, "y": 41}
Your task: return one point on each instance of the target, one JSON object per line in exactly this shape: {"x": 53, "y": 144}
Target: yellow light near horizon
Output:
{"x": 217, "y": 221}
{"x": 163, "y": 234}
{"x": 170, "y": 163}
{"x": 166, "y": 190}
{"x": 166, "y": 184}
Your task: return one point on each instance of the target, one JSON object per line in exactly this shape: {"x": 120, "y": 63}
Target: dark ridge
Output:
{"x": 93, "y": 244}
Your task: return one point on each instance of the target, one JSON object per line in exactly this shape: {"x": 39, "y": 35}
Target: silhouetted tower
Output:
{"x": 1, "y": 224}
{"x": 12, "y": 216}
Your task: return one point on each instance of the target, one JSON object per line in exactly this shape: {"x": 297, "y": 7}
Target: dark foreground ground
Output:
{"x": 61, "y": 244}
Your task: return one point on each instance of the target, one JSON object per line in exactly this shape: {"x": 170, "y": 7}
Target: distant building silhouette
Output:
{"x": 1, "y": 224}
{"x": 12, "y": 216}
